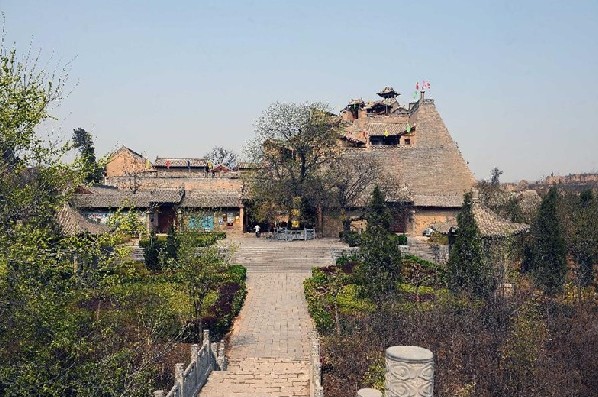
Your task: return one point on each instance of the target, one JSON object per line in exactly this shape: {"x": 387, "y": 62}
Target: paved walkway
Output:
{"x": 270, "y": 347}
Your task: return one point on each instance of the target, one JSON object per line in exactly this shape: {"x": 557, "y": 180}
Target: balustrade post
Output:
{"x": 194, "y": 352}
{"x": 409, "y": 372}
{"x": 179, "y": 370}
{"x": 159, "y": 393}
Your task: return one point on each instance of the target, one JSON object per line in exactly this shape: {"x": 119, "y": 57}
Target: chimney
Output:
{"x": 475, "y": 195}
{"x": 421, "y": 96}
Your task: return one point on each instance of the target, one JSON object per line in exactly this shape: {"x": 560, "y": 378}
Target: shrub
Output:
{"x": 402, "y": 239}
{"x": 352, "y": 238}
{"x": 204, "y": 239}
{"x": 438, "y": 238}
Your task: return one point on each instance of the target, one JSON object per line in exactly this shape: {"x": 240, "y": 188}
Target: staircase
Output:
{"x": 274, "y": 256}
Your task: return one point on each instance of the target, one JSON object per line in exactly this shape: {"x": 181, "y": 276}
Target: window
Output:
{"x": 407, "y": 141}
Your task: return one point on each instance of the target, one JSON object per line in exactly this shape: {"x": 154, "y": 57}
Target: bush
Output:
{"x": 402, "y": 239}
{"x": 438, "y": 238}
{"x": 204, "y": 239}
{"x": 352, "y": 238}
{"x": 227, "y": 306}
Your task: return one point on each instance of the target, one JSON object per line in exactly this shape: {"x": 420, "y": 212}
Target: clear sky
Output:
{"x": 515, "y": 81}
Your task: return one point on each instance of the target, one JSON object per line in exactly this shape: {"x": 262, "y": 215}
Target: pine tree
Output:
{"x": 547, "y": 250}
{"x": 467, "y": 270}
{"x": 380, "y": 269}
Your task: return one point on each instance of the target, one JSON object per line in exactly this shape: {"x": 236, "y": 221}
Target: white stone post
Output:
{"x": 179, "y": 370}
{"x": 159, "y": 393}
{"x": 409, "y": 372}
{"x": 194, "y": 352}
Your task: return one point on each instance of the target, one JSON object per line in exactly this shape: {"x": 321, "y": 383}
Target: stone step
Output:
{"x": 259, "y": 377}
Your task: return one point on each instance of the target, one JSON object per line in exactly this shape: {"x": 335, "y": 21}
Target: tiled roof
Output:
{"x": 72, "y": 223}
{"x": 445, "y": 201}
{"x": 114, "y": 198}
{"x": 388, "y": 90}
{"x": 102, "y": 197}
{"x": 126, "y": 149}
{"x": 489, "y": 223}
{"x": 163, "y": 162}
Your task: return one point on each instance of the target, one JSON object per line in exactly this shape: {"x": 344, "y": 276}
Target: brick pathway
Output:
{"x": 270, "y": 346}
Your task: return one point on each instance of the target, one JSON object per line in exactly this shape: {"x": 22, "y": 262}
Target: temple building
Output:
{"x": 416, "y": 151}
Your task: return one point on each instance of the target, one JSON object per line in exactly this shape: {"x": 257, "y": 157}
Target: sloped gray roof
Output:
{"x": 489, "y": 223}
{"x": 163, "y": 162}
{"x": 72, "y": 223}
{"x": 114, "y": 198}
{"x": 444, "y": 201}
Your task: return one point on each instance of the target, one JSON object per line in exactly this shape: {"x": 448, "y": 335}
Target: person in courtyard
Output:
{"x": 257, "y": 230}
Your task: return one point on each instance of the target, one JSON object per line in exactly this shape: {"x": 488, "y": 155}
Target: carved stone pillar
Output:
{"x": 409, "y": 372}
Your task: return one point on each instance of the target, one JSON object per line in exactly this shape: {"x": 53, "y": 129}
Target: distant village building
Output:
{"x": 186, "y": 193}
{"x": 414, "y": 147}
{"x": 125, "y": 161}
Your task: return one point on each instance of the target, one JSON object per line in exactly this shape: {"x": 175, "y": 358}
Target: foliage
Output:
{"x": 467, "y": 270}
{"x": 438, "y": 238}
{"x": 352, "y": 238}
{"x": 418, "y": 272}
{"x": 152, "y": 248}
{"x": 329, "y": 292}
{"x": 578, "y": 215}
{"x": 402, "y": 239}
{"x": 503, "y": 348}
{"x": 347, "y": 180}
{"x": 546, "y": 248}
{"x": 83, "y": 142}
{"x": 76, "y": 316}
{"x": 221, "y": 156}
{"x": 379, "y": 271}
{"x": 293, "y": 145}
{"x": 127, "y": 223}
{"x": 200, "y": 273}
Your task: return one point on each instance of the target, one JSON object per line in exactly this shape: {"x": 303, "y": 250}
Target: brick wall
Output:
{"x": 123, "y": 163}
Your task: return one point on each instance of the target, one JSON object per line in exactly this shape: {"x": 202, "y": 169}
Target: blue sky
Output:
{"x": 514, "y": 81}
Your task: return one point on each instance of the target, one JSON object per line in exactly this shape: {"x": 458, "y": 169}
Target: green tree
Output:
{"x": 546, "y": 251}
{"x": 579, "y": 215}
{"x": 293, "y": 144}
{"x": 202, "y": 271}
{"x": 379, "y": 272}
{"x": 466, "y": 269}
{"x": 83, "y": 142}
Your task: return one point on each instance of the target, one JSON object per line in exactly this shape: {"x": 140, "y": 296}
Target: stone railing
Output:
{"x": 315, "y": 389}
{"x": 289, "y": 234}
{"x": 204, "y": 360}
{"x": 409, "y": 373}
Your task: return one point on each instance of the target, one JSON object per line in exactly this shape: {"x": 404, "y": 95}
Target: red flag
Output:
{"x": 417, "y": 86}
